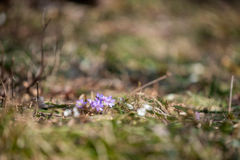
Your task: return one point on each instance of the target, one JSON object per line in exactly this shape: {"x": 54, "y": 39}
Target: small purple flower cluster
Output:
{"x": 197, "y": 115}
{"x": 99, "y": 102}
{"x": 80, "y": 103}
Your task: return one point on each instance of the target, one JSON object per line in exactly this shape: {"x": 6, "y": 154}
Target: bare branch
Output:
{"x": 41, "y": 69}
{"x": 38, "y": 75}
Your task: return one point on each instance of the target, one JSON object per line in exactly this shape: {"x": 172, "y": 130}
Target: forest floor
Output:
{"x": 124, "y": 80}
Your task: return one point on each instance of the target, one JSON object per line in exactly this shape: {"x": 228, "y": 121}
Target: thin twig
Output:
{"x": 36, "y": 108}
{"x": 150, "y": 83}
{"x": 230, "y": 97}
{"x": 2, "y": 61}
{"x": 30, "y": 68}
{"x": 9, "y": 87}
{"x": 37, "y": 92}
{"x": 5, "y": 93}
{"x": 56, "y": 60}
{"x": 4, "y": 88}
{"x": 38, "y": 76}
{"x": 12, "y": 73}
{"x": 210, "y": 106}
{"x": 40, "y": 71}
{"x": 12, "y": 69}
{"x": 53, "y": 70}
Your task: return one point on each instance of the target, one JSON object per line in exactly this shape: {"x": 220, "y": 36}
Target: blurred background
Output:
{"x": 117, "y": 45}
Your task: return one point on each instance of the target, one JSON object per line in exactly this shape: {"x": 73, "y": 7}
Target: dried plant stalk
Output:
{"x": 230, "y": 96}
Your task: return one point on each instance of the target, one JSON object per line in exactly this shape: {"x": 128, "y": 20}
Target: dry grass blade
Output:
{"x": 150, "y": 83}
{"x": 230, "y": 96}
{"x": 162, "y": 107}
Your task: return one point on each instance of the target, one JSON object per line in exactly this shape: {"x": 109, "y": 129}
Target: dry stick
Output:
{"x": 5, "y": 92}
{"x": 210, "y": 106}
{"x": 38, "y": 76}
{"x": 56, "y": 60}
{"x": 12, "y": 87}
{"x": 2, "y": 61}
{"x": 30, "y": 68}
{"x": 12, "y": 69}
{"x": 40, "y": 71}
{"x": 152, "y": 82}
{"x": 2, "y": 101}
{"x": 12, "y": 63}
{"x": 210, "y": 103}
{"x": 8, "y": 88}
{"x": 37, "y": 91}
{"x": 230, "y": 97}
{"x": 53, "y": 70}
{"x": 36, "y": 109}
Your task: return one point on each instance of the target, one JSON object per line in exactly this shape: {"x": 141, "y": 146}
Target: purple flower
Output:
{"x": 197, "y": 115}
{"x": 91, "y": 102}
{"x": 109, "y": 101}
{"x": 80, "y": 103}
{"x": 100, "y": 101}
{"x": 99, "y": 96}
{"x": 98, "y": 105}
